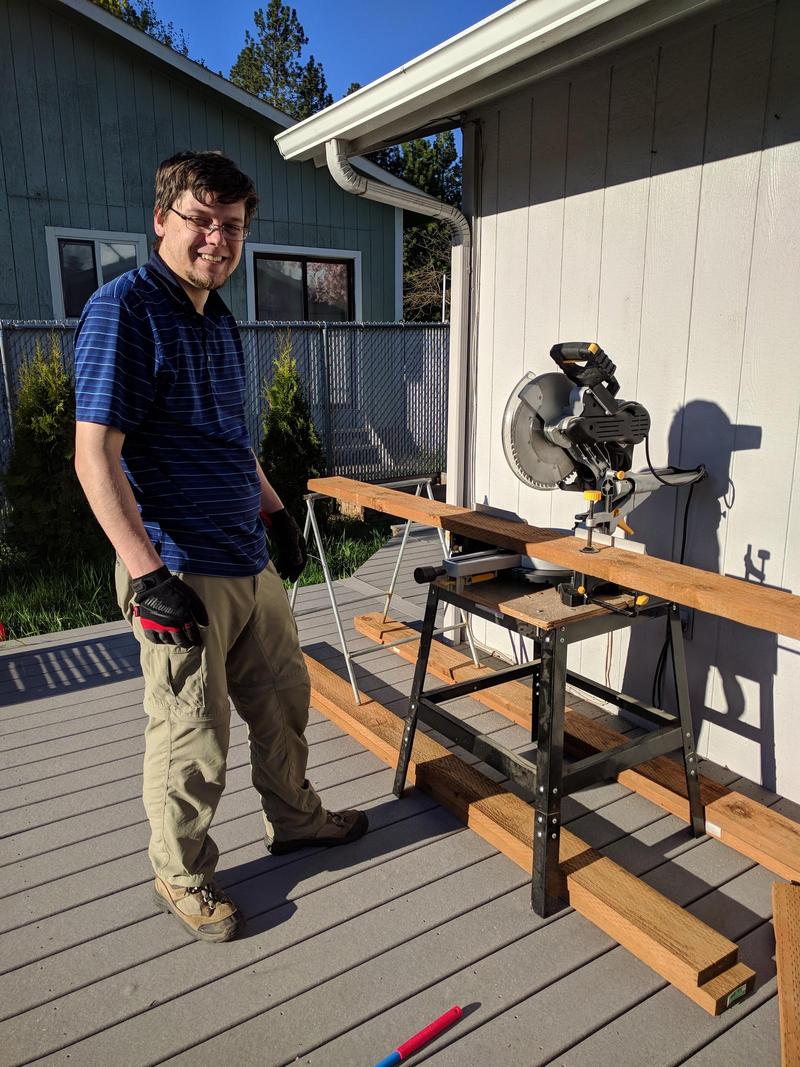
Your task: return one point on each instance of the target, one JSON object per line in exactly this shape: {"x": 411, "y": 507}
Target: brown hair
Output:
{"x": 207, "y": 176}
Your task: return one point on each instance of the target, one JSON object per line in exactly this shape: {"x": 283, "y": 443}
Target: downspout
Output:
{"x": 336, "y": 154}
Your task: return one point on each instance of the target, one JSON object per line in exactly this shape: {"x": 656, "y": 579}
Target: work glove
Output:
{"x": 168, "y": 609}
{"x": 287, "y": 544}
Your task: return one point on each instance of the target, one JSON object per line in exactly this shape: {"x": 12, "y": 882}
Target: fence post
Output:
{"x": 6, "y": 385}
{"x": 328, "y": 406}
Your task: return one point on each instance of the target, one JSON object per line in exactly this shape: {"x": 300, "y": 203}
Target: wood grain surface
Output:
{"x": 786, "y": 910}
{"x": 750, "y": 604}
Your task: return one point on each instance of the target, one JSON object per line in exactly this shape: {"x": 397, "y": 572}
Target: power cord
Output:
{"x": 677, "y": 470}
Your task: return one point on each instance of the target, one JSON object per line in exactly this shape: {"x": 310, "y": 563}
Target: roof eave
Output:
{"x": 174, "y": 59}
{"x": 525, "y": 40}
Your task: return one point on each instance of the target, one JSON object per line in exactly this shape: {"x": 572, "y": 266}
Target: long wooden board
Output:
{"x": 743, "y": 824}
{"x": 786, "y": 918}
{"x": 752, "y": 605}
{"x": 685, "y": 951}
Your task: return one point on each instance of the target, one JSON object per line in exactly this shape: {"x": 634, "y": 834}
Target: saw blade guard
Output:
{"x": 535, "y": 401}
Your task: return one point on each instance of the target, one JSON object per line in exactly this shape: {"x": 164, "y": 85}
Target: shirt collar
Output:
{"x": 215, "y": 305}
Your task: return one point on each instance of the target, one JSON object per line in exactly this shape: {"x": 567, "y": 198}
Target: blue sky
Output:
{"x": 355, "y": 41}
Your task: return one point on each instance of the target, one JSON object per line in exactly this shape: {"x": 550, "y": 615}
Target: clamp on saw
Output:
{"x": 568, "y": 429}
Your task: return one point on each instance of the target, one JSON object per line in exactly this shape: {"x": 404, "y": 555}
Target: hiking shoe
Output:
{"x": 339, "y": 828}
{"x": 206, "y": 912}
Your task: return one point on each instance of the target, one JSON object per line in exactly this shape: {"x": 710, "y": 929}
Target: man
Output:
{"x": 163, "y": 455}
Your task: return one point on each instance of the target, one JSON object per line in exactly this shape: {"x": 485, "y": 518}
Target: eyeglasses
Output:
{"x": 233, "y": 231}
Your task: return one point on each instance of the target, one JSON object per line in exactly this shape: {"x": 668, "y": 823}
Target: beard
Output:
{"x": 200, "y": 281}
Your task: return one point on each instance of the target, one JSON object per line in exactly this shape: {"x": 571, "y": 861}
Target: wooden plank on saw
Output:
{"x": 729, "y": 598}
{"x": 786, "y": 919}
{"x": 743, "y": 824}
{"x": 678, "y": 946}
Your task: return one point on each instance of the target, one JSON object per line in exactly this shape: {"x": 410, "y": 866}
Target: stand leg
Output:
{"x": 546, "y": 881}
{"x": 687, "y": 729}
{"x": 466, "y": 625}
{"x": 536, "y": 681}
{"x": 306, "y": 528}
{"x": 311, "y": 520}
{"x": 390, "y": 591}
{"x": 428, "y": 626}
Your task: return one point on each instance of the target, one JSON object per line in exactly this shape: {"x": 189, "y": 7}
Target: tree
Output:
{"x": 291, "y": 451}
{"x": 142, "y": 15}
{"x": 270, "y": 64}
{"x": 312, "y": 90}
{"x": 430, "y": 164}
{"x": 426, "y": 260}
{"x": 49, "y": 519}
{"x": 270, "y": 67}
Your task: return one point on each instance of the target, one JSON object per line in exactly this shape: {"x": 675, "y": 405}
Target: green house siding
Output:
{"x": 86, "y": 118}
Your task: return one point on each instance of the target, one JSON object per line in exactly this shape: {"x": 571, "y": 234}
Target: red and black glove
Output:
{"x": 287, "y": 544}
{"x": 168, "y": 609}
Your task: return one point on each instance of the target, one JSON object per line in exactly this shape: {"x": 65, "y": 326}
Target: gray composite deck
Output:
{"x": 346, "y": 952}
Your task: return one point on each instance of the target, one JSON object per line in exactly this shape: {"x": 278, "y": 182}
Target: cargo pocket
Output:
{"x": 187, "y": 677}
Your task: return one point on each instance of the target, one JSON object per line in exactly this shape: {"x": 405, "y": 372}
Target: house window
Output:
{"x": 305, "y": 288}
{"x": 83, "y": 260}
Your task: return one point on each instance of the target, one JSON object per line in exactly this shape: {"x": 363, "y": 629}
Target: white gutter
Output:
{"x": 337, "y": 158}
{"x": 508, "y": 37}
{"x": 357, "y": 184}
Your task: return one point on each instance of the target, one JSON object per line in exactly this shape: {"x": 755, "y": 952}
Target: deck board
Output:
{"x": 346, "y": 953}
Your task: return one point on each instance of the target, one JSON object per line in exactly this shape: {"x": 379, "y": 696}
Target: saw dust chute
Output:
{"x": 568, "y": 429}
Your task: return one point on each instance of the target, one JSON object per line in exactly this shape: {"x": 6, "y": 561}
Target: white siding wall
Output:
{"x": 651, "y": 200}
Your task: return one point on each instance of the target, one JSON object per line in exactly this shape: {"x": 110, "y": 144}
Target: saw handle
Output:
{"x": 585, "y": 363}
{"x": 424, "y": 575}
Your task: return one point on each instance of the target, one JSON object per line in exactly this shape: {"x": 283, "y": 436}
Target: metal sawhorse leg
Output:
{"x": 311, "y": 525}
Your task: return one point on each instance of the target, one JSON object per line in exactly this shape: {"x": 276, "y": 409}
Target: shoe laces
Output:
{"x": 336, "y": 818}
{"x": 209, "y": 894}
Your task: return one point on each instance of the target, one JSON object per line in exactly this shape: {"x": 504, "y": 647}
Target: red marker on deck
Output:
{"x": 432, "y": 1030}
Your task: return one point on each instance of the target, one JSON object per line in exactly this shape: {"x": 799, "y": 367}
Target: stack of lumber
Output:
{"x": 750, "y": 828}
{"x": 676, "y": 945}
{"x": 685, "y": 951}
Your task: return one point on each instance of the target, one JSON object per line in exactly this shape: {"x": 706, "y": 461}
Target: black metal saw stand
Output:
{"x": 547, "y": 780}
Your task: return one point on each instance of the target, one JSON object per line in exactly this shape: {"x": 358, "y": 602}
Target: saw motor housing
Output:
{"x": 569, "y": 430}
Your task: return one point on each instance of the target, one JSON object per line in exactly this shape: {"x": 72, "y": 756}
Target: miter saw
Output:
{"x": 568, "y": 430}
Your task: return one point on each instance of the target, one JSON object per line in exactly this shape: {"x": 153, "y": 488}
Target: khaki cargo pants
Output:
{"x": 251, "y": 652}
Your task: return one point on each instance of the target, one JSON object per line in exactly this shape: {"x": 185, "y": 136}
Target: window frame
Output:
{"x": 65, "y": 233}
{"x": 302, "y": 253}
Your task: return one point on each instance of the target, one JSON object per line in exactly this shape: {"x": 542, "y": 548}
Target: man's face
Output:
{"x": 202, "y": 261}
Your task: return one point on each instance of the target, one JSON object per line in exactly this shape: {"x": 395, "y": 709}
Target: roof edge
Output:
{"x": 174, "y": 59}
{"x": 516, "y": 32}
{"x": 198, "y": 72}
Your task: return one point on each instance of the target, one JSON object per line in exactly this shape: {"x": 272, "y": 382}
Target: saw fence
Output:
{"x": 685, "y": 951}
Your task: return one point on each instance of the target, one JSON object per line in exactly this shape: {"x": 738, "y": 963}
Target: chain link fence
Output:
{"x": 377, "y": 391}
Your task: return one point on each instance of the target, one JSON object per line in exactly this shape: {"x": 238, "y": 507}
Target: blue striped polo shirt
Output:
{"x": 173, "y": 381}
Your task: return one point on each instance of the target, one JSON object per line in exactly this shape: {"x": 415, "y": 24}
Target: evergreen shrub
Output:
{"x": 291, "y": 451}
{"x": 48, "y": 520}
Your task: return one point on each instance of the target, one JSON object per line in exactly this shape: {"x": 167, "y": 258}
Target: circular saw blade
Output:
{"x": 534, "y": 401}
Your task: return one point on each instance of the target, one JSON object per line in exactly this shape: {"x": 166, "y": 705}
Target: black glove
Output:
{"x": 168, "y": 609}
{"x": 288, "y": 545}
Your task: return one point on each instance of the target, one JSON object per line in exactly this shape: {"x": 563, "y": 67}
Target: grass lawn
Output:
{"x": 81, "y": 593}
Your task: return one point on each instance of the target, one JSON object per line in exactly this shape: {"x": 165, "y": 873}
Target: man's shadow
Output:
{"x": 726, "y": 661}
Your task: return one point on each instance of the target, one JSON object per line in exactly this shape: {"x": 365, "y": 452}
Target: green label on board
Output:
{"x": 735, "y": 995}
